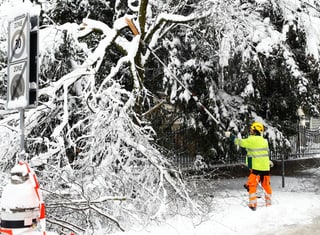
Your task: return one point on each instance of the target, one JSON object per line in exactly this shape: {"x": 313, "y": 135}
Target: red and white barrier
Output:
{"x": 22, "y": 206}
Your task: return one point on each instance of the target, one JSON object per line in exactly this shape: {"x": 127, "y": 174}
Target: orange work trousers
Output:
{"x": 254, "y": 179}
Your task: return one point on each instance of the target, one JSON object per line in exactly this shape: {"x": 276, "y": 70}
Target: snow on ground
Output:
{"x": 295, "y": 210}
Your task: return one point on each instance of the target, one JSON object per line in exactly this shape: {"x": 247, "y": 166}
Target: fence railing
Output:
{"x": 304, "y": 145}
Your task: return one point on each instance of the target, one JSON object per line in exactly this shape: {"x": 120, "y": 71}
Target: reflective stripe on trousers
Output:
{"x": 252, "y": 200}
{"x": 268, "y": 199}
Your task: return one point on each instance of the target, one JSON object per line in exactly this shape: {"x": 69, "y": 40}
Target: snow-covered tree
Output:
{"x": 94, "y": 153}
{"x": 248, "y": 60}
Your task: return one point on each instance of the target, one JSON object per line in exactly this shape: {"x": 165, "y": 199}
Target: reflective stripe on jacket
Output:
{"x": 257, "y": 152}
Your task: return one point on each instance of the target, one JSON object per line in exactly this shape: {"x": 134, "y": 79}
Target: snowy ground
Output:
{"x": 295, "y": 210}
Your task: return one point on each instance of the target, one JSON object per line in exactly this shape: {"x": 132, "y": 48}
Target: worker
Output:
{"x": 258, "y": 162}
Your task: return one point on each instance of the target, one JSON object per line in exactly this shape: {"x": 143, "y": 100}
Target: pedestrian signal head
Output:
{"x": 258, "y": 127}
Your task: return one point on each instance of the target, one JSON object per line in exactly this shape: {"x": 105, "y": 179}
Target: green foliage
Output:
{"x": 269, "y": 85}
{"x": 75, "y": 10}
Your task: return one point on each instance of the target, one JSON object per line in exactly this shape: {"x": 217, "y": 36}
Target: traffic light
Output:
{"x": 33, "y": 61}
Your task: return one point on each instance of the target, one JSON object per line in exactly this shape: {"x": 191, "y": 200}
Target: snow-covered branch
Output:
{"x": 167, "y": 18}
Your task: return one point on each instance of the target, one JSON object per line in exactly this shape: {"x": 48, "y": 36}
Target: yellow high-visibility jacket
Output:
{"x": 257, "y": 149}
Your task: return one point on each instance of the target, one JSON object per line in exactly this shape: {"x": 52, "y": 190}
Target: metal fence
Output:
{"x": 305, "y": 144}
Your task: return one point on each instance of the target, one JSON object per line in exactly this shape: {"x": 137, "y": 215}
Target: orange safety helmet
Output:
{"x": 257, "y": 126}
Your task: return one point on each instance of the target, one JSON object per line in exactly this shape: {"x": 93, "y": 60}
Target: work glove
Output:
{"x": 227, "y": 134}
{"x": 230, "y": 136}
{"x": 271, "y": 163}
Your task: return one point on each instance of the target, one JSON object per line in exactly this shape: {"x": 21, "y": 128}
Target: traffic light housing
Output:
{"x": 33, "y": 61}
